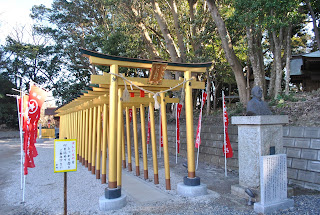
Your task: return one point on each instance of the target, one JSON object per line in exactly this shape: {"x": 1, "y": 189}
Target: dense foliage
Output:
{"x": 239, "y": 36}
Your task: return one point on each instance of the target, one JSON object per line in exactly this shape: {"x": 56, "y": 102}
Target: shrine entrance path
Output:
{"x": 141, "y": 191}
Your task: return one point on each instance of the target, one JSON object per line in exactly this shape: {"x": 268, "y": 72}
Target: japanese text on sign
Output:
{"x": 65, "y": 155}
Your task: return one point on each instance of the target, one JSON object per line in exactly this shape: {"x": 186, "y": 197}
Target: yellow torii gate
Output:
{"x": 109, "y": 94}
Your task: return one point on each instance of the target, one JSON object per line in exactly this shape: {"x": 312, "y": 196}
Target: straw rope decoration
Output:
{"x": 126, "y": 95}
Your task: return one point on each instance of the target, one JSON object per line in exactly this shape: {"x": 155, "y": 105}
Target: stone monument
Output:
{"x": 256, "y": 106}
{"x": 259, "y": 134}
{"x": 273, "y": 184}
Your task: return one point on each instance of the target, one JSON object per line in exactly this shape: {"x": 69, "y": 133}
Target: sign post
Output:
{"x": 65, "y": 160}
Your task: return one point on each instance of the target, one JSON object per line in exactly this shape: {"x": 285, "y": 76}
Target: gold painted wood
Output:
{"x": 119, "y": 138}
{"x": 135, "y": 139}
{"x": 153, "y": 142}
{"x": 189, "y": 127}
{"x": 144, "y": 142}
{"x": 107, "y": 62}
{"x": 104, "y": 143}
{"x": 128, "y": 135}
{"x": 113, "y": 128}
{"x": 98, "y": 153}
{"x": 94, "y": 139}
{"x": 165, "y": 142}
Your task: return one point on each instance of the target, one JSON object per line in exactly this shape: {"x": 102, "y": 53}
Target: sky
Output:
{"x": 15, "y": 13}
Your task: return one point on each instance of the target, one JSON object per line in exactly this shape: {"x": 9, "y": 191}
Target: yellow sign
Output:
{"x": 65, "y": 155}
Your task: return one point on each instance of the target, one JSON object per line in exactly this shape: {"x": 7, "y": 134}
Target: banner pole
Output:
{"x": 177, "y": 133}
{"x": 24, "y": 187}
{"x": 65, "y": 193}
{"x": 20, "y": 112}
{"x": 197, "y": 158}
{"x": 160, "y": 132}
{"x": 224, "y": 134}
{"x": 148, "y": 130}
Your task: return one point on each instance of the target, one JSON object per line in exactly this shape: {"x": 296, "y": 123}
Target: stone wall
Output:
{"x": 301, "y": 144}
{"x": 211, "y": 144}
{"x": 9, "y": 134}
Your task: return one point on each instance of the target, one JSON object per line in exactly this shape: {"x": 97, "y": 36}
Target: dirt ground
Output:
{"x": 303, "y": 108}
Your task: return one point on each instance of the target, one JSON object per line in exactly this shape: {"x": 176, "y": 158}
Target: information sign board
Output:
{"x": 65, "y": 156}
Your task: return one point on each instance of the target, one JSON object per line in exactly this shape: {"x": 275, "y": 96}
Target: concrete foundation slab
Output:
{"x": 239, "y": 191}
{"x": 269, "y": 208}
{"x": 112, "y": 204}
{"x": 191, "y": 191}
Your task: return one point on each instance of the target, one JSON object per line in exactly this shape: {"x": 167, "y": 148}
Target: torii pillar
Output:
{"x": 191, "y": 185}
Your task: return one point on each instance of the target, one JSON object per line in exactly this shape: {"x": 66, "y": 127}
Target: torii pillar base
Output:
{"x": 191, "y": 187}
{"x": 112, "y": 200}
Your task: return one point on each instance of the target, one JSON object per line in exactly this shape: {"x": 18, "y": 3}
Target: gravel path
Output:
{"x": 44, "y": 189}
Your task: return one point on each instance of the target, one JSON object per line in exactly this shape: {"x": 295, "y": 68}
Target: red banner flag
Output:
{"x": 228, "y": 151}
{"x": 130, "y": 115}
{"x": 198, "y": 139}
{"x": 24, "y": 109}
{"x": 37, "y": 97}
{"x": 149, "y": 128}
{"x": 179, "y": 109}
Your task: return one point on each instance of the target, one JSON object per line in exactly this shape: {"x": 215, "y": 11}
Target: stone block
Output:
{"x": 296, "y": 182}
{"x": 314, "y": 166}
{"x": 317, "y": 178}
{"x": 232, "y": 163}
{"x": 274, "y": 206}
{"x": 205, "y": 136}
{"x": 311, "y": 132}
{"x": 234, "y": 146}
{"x": 318, "y": 156}
{"x": 287, "y": 141}
{"x": 312, "y": 186}
{"x": 233, "y": 137}
{"x": 260, "y": 120}
{"x": 232, "y": 129}
{"x": 302, "y": 143}
{"x": 292, "y": 173}
{"x": 286, "y": 130}
{"x": 309, "y": 154}
{"x": 299, "y": 164}
{"x": 315, "y": 144}
{"x": 296, "y": 131}
{"x": 293, "y": 152}
{"x": 306, "y": 176}
{"x": 218, "y": 137}
{"x": 289, "y": 162}
{"x": 216, "y": 144}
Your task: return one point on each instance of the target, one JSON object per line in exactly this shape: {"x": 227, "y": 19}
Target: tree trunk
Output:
{"x": 145, "y": 35}
{"x": 256, "y": 57}
{"x": 195, "y": 45}
{"x": 182, "y": 47}
{"x": 216, "y": 94}
{"x": 229, "y": 52}
{"x": 277, "y": 61}
{"x": 288, "y": 56}
{"x": 272, "y": 80}
{"x": 171, "y": 46}
{"x": 314, "y": 21}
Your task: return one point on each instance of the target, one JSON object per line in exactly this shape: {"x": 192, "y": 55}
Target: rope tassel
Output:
{"x": 126, "y": 94}
{"x": 156, "y": 103}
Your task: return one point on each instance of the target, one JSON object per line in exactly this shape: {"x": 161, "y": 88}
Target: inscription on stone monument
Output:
{"x": 273, "y": 178}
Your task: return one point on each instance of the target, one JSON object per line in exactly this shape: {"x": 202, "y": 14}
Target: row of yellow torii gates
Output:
{"x": 95, "y": 118}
